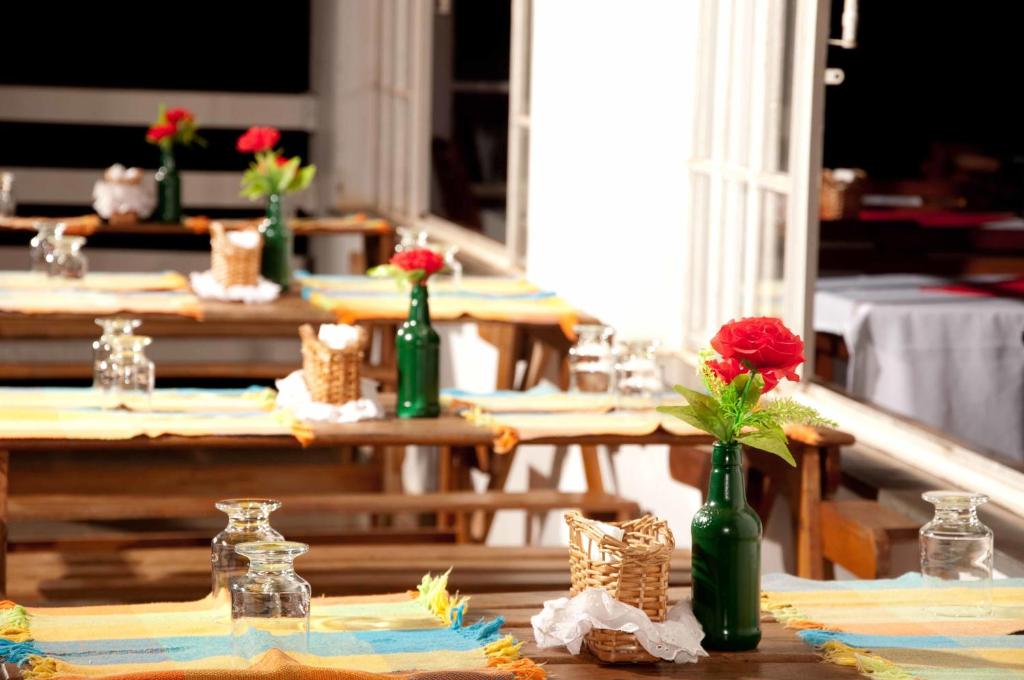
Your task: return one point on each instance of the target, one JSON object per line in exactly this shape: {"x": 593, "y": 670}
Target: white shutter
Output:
{"x": 754, "y": 174}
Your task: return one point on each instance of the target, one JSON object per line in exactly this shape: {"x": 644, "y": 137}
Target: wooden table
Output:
{"x": 804, "y": 486}
{"x": 781, "y": 654}
{"x": 278, "y": 319}
{"x": 378, "y": 235}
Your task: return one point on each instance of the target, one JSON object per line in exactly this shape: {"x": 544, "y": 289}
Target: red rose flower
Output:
{"x": 727, "y": 369}
{"x": 282, "y": 161}
{"x": 158, "y": 132}
{"x": 174, "y": 116}
{"x": 258, "y": 139}
{"x": 763, "y": 343}
{"x": 419, "y": 258}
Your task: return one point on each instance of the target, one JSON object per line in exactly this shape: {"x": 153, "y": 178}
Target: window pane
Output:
{"x": 786, "y": 83}
{"x": 773, "y": 238}
{"x": 469, "y": 145}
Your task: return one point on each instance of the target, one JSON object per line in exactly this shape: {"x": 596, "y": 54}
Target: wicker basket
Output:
{"x": 331, "y": 375}
{"x": 840, "y": 193}
{"x": 633, "y": 570}
{"x": 233, "y": 265}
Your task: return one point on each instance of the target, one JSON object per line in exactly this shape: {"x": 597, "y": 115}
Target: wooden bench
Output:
{"x": 184, "y": 573}
{"x": 461, "y": 504}
{"x": 858, "y": 535}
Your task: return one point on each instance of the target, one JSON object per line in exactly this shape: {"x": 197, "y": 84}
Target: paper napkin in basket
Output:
{"x": 566, "y": 621}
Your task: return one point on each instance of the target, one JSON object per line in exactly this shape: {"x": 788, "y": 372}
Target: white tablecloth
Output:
{"x": 952, "y": 361}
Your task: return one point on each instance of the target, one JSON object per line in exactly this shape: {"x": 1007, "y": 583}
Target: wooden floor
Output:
{"x": 182, "y": 573}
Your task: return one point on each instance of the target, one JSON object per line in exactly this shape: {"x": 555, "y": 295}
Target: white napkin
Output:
{"x": 208, "y": 288}
{"x": 338, "y": 335}
{"x": 594, "y": 548}
{"x": 293, "y": 394}
{"x": 244, "y": 238}
{"x": 566, "y": 622}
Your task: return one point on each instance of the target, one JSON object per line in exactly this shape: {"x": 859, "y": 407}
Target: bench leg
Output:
{"x": 809, "y": 560}
{"x": 592, "y": 469}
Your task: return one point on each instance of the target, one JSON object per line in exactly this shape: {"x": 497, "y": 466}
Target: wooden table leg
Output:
{"x": 4, "y": 470}
{"x": 592, "y": 468}
{"x": 809, "y": 559}
{"x": 507, "y": 339}
{"x": 444, "y": 482}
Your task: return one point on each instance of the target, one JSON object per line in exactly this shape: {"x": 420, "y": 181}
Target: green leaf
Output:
{"x": 770, "y": 440}
{"x": 685, "y": 414}
{"x": 382, "y": 271}
{"x": 303, "y": 178}
{"x": 285, "y": 173}
{"x": 747, "y": 392}
{"x": 708, "y": 412}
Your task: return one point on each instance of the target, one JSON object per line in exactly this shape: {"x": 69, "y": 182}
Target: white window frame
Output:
{"x": 403, "y": 89}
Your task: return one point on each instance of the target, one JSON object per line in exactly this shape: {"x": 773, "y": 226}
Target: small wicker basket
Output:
{"x": 633, "y": 570}
{"x": 331, "y": 375}
{"x": 232, "y": 264}
{"x": 841, "y": 192}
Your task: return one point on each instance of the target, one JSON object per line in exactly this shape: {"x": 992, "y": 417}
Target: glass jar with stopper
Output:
{"x": 592, "y": 359}
{"x": 67, "y": 259}
{"x": 103, "y": 347}
{"x": 956, "y": 555}
{"x": 43, "y": 243}
{"x": 133, "y": 374}
{"x": 270, "y": 602}
{"x": 248, "y": 522}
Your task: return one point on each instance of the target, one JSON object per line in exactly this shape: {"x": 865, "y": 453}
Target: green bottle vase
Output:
{"x": 726, "y": 558}
{"x": 418, "y": 350}
{"x": 276, "y": 261}
{"x": 168, "y": 188}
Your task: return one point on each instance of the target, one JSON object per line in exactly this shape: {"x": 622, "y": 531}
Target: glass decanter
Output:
{"x": 956, "y": 553}
{"x": 67, "y": 259}
{"x": 638, "y": 376}
{"x": 133, "y": 374}
{"x": 42, "y": 244}
{"x": 102, "y": 348}
{"x": 270, "y": 602}
{"x": 592, "y": 359}
{"x": 248, "y": 522}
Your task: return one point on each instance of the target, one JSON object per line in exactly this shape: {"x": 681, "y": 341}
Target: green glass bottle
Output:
{"x": 418, "y": 350}
{"x": 168, "y": 187}
{"x": 276, "y": 263}
{"x": 726, "y": 558}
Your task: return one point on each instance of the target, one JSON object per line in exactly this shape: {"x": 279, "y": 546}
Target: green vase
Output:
{"x": 276, "y": 262}
{"x": 168, "y": 188}
{"x": 726, "y": 558}
{"x": 418, "y": 350}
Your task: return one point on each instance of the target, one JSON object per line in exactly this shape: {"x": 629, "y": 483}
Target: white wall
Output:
{"x": 611, "y": 99}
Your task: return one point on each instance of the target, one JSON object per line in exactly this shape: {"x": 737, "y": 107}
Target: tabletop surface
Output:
{"x": 781, "y": 654}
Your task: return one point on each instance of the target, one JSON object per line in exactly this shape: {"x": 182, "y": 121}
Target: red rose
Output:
{"x": 727, "y": 369}
{"x": 174, "y": 116}
{"x": 282, "y": 161}
{"x": 419, "y": 258}
{"x": 258, "y": 139}
{"x": 763, "y": 343}
{"x": 158, "y": 132}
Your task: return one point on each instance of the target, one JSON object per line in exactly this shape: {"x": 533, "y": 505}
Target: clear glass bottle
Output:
{"x": 42, "y": 244}
{"x": 270, "y": 602}
{"x": 956, "y": 553}
{"x": 102, "y": 348}
{"x": 66, "y": 259}
{"x": 638, "y": 375}
{"x": 8, "y": 204}
{"x": 134, "y": 375}
{"x": 248, "y": 522}
{"x": 592, "y": 359}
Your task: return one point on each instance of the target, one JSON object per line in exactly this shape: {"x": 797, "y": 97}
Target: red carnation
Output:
{"x": 175, "y": 116}
{"x": 158, "y": 132}
{"x": 419, "y": 258}
{"x": 727, "y": 369}
{"x": 762, "y": 343}
{"x": 257, "y": 139}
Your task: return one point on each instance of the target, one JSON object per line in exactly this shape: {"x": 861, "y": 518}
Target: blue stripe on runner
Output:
{"x": 876, "y": 642}
{"x": 341, "y": 643}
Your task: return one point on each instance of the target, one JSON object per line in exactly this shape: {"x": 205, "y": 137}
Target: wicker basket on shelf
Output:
{"x": 633, "y": 570}
{"x": 841, "y": 191}
{"x": 232, "y": 264}
{"x": 331, "y": 375}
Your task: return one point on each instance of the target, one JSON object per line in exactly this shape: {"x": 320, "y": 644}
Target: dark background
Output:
{"x": 924, "y": 72}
